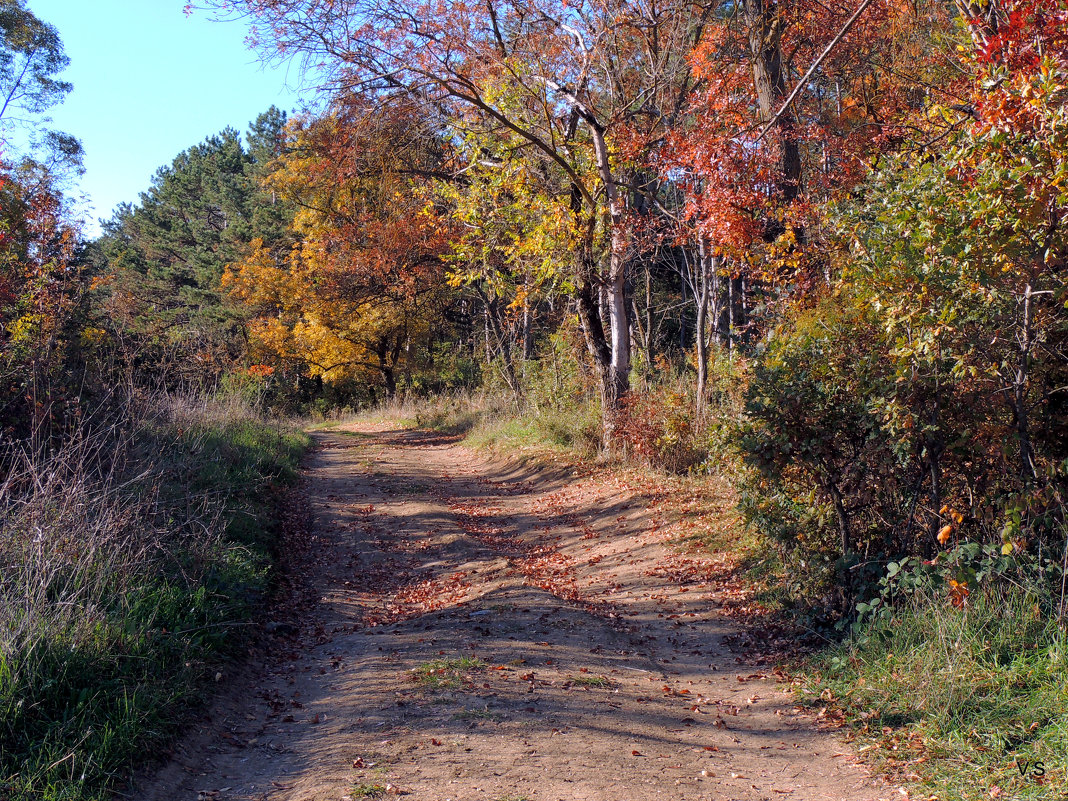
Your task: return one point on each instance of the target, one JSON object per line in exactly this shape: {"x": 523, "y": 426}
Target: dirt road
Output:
{"x": 483, "y": 631}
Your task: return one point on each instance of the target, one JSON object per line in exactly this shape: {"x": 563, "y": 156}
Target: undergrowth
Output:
{"x": 130, "y": 558}
{"x": 488, "y": 420}
{"x": 446, "y": 674}
{"x": 961, "y": 703}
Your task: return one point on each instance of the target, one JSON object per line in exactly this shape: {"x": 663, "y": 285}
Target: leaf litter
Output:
{"x": 515, "y": 583}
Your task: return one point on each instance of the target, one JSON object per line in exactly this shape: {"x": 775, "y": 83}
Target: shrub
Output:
{"x": 658, "y": 427}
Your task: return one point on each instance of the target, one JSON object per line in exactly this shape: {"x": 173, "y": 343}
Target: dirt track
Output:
{"x": 595, "y": 666}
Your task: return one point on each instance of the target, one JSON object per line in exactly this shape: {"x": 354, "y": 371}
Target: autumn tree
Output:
{"x": 41, "y": 275}
{"x": 362, "y": 289}
{"x": 580, "y": 90}
{"x": 921, "y": 407}
{"x": 41, "y": 288}
{"x": 512, "y": 230}
{"x": 798, "y": 102}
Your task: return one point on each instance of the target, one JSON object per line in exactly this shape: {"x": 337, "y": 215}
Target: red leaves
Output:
{"x": 472, "y": 519}
{"x": 1018, "y": 62}
{"x": 680, "y": 569}
{"x": 420, "y": 598}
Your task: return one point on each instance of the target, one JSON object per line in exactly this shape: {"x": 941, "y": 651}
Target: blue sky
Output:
{"x": 148, "y": 83}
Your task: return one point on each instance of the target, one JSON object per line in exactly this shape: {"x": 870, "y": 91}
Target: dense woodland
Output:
{"x": 818, "y": 247}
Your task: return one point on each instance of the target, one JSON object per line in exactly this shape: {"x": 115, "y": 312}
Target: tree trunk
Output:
{"x": 1019, "y": 388}
{"x": 617, "y": 379}
{"x": 641, "y": 336}
{"x": 493, "y": 320}
{"x": 765, "y": 44}
{"x": 619, "y": 321}
{"x": 593, "y": 332}
{"x": 387, "y": 364}
{"x": 648, "y": 318}
{"x": 721, "y": 309}
{"x": 528, "y": 331}
{"x": 735, "y": 311}
{"x": 702, "y": 317}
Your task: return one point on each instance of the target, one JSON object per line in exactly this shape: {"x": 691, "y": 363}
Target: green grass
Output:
{"x": 367, "y": 791}
{"x": 584, "y": 680}
{"x": 446, "y": 674}
{"x": 955, "y": 702}
{"x": 148, "y": 571}
{"x": 575, "y": 430}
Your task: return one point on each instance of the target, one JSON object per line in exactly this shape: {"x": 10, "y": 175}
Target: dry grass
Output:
{"x": 127, "y": 553}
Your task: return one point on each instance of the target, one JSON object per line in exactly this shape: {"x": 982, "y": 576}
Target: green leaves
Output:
{"x": 31, "y": 56}
{"x": 167, "y": 254}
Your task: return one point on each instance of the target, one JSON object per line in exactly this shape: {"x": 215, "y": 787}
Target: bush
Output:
{"x": 658, "y": 427}
{"x": 822, "y": 480}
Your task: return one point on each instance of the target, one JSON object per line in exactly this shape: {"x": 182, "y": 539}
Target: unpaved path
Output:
{"x": 487, "y": 631}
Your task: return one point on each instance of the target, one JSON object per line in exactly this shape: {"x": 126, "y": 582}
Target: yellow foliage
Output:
{"x": 944, "y": 534}
{"x": 360, "y": 283}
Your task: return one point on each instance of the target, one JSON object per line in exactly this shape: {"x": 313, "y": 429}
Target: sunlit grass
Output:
{"x": 446, "y": 674}
{"x": 130, "y": 561}
{"x": 959, "y": 703}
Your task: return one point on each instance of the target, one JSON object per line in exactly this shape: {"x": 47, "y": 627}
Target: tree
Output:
{"x": 168, "y": 253}
{"x": 40, "y": 288}
{"x": 31, "y": 55}
{"x": 923, "y": 403}
{"x": 799, "y": 102}
{"x": 579, "y": 89}
{"x": 361, "y": 289}
{"x": 512, "y": 230}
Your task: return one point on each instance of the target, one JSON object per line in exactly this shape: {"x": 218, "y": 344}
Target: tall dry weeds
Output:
{"x": 72, "y": 533}
{"x": 124, "y": 561}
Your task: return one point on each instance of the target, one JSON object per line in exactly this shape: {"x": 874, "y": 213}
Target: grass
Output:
{"x": 130, "y": 561}
{"x": 367, "y": 791}
{"x": 960, "y": 704}
{"x": 446, "y": 674}
{"x": 584, "y": 680}
{"x": 489, "y": 421}
{"x": 480, "y": 713}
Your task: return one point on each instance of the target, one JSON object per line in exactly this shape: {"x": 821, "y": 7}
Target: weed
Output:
{"x": 584, "y": 680}
{"x": 484, "y": 713}
{"x": 367, "y": 791}
{"x": 969, "y": 702}
{"x": 129, "y": 560}
{"x": 446, "y": 674}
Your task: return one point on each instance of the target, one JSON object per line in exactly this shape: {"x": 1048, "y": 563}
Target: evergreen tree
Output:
{"x": 167, "y": 254}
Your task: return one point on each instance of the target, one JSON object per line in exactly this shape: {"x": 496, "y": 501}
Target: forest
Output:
{"x": 815, "y": 250}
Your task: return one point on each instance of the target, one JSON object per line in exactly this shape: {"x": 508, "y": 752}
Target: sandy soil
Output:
{"x": 483, "y": 630}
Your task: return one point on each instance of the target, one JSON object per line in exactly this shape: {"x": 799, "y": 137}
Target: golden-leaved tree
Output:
{"x": 360, "y": 295}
